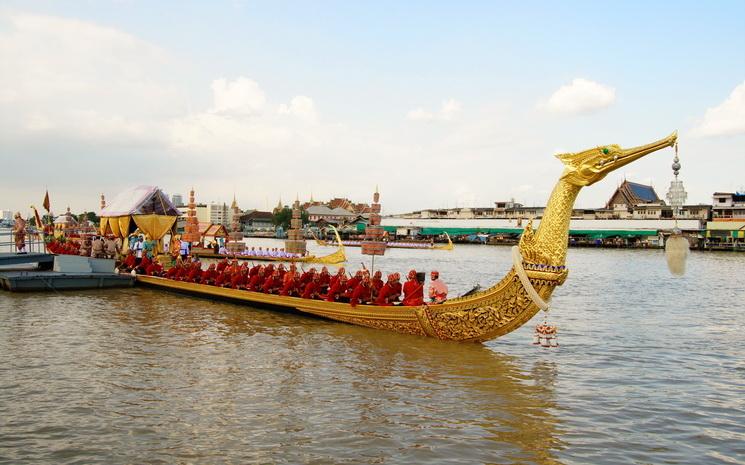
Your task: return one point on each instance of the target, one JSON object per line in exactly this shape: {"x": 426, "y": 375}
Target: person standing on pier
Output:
{"x": 19, "y": 230}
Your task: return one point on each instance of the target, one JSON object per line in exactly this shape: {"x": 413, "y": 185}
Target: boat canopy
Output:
{"x": 143, "y": 207}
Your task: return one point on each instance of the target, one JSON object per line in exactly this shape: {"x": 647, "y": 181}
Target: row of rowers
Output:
{"x": 311, "y": 284}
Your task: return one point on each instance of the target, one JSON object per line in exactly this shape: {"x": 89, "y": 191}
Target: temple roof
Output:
{"x": 632, "y": 193}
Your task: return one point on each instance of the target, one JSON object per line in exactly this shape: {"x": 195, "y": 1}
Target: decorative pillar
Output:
{"x": 191, "y": 229}
{"x": 373, "y": 243}
{"x": 235, "y": 243}
{"x": 295, "y": 242}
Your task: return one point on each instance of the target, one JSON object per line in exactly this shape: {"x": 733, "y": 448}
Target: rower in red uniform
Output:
{"x": 377, "y": 283}
{"x": 311, "y": 289}
{"x": 144, "y": 264}
{"x": 289, "y": 282}
{"x": 324, "y": 280}
{"x": 390, "y": 291}
{"x": 222, "y": 264}
{"x": 340, "y": 272}
{"x": 129, "y": 262}
{"x": 155, "y": 269}
{"x": 209, "y": 275}
{"x": 239, "y": 279}
{"x": 223, "y": 278}
{"x": 362, "y": 293}
{"x": 307, "y": 277}
{"x": 413, "y": 290}
{"x": 272, "y": 284}
{"x": 194, "y": 273}
{"x": 172, "y": 271}
{"x": 353, "y": 282}
{"x": 256, "y": 281}
{"x": 337, "y": 289}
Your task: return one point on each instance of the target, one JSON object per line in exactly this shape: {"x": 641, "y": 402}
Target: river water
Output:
{"x": 651, "y": 369}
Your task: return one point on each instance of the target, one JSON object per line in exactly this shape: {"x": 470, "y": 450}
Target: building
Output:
{"x": 324, "y": 214}
{"x": 726, "y": 230}
{"x": 215, "y": 213}
{"x": 177, "y": 200}
{"x": 6, "y": 215}
{"x": 728, "y": 205}
{"x": 255, "y": 220}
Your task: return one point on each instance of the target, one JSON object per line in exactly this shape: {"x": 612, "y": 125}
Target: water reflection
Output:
{"x": 323, "y": 389}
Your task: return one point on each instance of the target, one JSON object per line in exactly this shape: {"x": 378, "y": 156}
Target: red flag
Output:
{"x": 46, "y": 202}
{"x": 37, "y": 219}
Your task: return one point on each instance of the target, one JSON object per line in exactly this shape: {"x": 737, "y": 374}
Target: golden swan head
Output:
{"x": 588, "y": 167}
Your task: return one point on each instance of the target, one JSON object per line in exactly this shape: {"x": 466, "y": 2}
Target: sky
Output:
{"x": 438, "y": 104}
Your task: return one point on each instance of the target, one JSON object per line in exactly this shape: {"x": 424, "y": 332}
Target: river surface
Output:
{"x": 651, "y": 370}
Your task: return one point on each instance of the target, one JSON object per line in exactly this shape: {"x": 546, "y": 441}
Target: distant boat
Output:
{"x": 411, "y": 244}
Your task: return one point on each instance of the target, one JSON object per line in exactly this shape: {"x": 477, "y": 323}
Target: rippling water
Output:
{"x": 651, "y": 370}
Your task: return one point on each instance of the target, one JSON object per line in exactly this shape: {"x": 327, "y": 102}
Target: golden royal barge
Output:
{"x": 538, "y": 268}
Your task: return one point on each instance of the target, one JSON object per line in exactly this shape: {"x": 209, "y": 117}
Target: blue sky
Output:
{"x": 440, "y": 104}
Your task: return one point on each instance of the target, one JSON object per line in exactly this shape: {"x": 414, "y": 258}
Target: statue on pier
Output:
{"x": 19, "y": 231}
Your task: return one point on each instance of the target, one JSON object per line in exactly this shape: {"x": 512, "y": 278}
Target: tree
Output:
{"x": 282, "y": 217}
{"x": 89, "y": 216}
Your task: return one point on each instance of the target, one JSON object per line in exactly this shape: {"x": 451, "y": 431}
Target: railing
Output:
{"x": 34, "y": 241}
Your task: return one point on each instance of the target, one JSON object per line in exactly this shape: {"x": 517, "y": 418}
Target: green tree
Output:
{"x": 283, "y": 217}
{"x": 89, "y": 216}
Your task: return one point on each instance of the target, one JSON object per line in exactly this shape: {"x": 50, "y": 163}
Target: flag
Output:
{"x": 37, "y": 219}
{"x": 46, "y": 202}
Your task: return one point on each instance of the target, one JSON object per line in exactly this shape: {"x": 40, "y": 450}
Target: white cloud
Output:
{"x": 727, "y": 118}
{"x": 242, "y": 96}
{"x": 448, "y": 111}
{"x": 301, "y": 107}
{"x": 581, "y": 96}
{"x": 82, "y": 81}
{"x": 236, "y": 123}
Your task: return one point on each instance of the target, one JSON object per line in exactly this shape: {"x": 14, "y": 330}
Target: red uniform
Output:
{"x": 223, "y": 278}
{"x": 336, "y": 290}
{"x": 271, "y": 284}
{"x": 130, "y": 261}
{"x": 254, "y": 284}
{"x": 413, "y": 293}
{"x": 238, "y": 280}
{"x": 155, "y": 269}
{"x": 377, "y": 285}
{"x": 193, "y": 273}
{"x": 361, "y": 294}
{"x": 311, "y": 290}
{"x": 389, "y": 293}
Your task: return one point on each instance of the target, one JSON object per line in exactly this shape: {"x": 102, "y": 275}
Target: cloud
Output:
{"x": 727, "y": 118}
{"x": 240, "y": 119}
{"x": 241, "y": 96}
{"x": 448, "y": 111}
{"x": 580, "y": 97}
{"x": 300, "y": 107}
{"x": 82, "y": 81}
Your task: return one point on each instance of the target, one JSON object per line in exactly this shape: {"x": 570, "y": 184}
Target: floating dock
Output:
{"x": 25, "y": 281}
{"x": 45, "y": 260}
{"x": 70, "y": 272}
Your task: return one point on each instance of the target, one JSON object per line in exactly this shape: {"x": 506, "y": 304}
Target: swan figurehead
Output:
{"x": 590, "y": 166}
